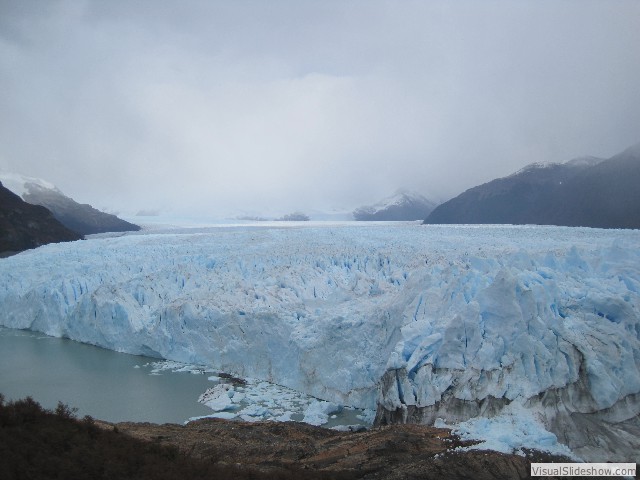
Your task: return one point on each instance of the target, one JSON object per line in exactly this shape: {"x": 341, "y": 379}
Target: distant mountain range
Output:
{"x": 24, "y": 226}
{"x": 585, "y": 192}
{"x": 403, "y": 205}
{"x": 81, "y": 218}
{"x": 294, "y": 217}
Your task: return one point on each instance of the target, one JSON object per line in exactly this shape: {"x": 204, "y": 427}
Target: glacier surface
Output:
{"x": 424, "y": 322}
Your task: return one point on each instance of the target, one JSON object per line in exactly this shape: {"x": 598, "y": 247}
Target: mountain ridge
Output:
{"x": 402, "y": 205}
{"x": 24, "y": 226}
{"x": 583, "y": 192}
{"x": 81, "y": 218}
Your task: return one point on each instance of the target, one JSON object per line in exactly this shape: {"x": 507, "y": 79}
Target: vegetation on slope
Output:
{"x": 36, "y": 443}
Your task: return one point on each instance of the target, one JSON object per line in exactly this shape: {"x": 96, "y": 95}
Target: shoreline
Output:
{"x": 394, "y": 451}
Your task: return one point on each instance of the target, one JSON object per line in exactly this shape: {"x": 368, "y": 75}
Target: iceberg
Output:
{"x": 421, "y": 322}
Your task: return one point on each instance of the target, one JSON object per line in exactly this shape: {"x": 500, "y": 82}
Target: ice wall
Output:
{"x": 556, "y": 332}
{"x": 311, "y": 309}
{"x": 427, "y": 321}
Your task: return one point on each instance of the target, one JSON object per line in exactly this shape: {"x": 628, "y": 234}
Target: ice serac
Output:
{"x": 311, "y": 309}
{"x": 426, "y": 322}
{"x": 557, "y": 333}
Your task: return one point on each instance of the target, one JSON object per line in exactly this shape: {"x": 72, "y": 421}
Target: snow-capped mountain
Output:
{"x": 587, "y": 161}
{"x": 540, "y": 324}
{"x": 24, "y": 226}
{"x": 579, "y": 162}
{"x": 81, "y": 218}
{"x": 586, "y": 191}
{"x": 402, "y": 205}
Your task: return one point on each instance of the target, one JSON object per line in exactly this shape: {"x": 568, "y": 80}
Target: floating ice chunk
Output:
{"x": 285, "y": 417}
{"x": 223, "y": 415}
{"x": 317, "y": 413}
{"x": 219, "y": 397}
{"x": 238, "y": 396}
{"x": 254, "y": 412}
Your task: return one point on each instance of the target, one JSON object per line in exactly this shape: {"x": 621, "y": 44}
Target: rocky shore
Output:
{"x": 36, "y": 443}
{"x": 389, "y": 452}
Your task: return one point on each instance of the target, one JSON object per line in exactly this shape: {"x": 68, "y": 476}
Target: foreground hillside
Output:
{"x": 586, "y": 192}
{"x": 38, "y": 444}
{"x": 24, "y": 226}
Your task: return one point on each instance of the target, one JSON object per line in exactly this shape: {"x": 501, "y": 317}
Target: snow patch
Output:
{"x": 21, "y": 184}
{"x": 515, "y": 429}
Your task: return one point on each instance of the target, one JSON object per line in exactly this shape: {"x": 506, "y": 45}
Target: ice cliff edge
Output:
{"x": 427, "y": 322}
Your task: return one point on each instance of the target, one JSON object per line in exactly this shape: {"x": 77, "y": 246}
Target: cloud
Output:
{"x": 230, "y": 106}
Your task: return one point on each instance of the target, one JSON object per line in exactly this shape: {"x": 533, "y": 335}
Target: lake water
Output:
{"x": 104, "y": 384}
{"x": 120, "y": 387}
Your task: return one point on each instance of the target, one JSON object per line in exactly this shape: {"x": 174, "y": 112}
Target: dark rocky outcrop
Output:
{"x": 24, "y": 226}
{"x": 585, "y": 192}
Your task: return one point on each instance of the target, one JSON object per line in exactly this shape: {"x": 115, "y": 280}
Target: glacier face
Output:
{"x": 426, "y": 322}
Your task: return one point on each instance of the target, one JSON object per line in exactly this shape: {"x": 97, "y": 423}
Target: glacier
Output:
{"x": 425, "y": 323}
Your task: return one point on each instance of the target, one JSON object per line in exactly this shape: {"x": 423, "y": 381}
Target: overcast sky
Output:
{"x": 274, "y": 106}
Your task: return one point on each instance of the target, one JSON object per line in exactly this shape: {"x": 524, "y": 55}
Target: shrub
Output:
{"x": 36, "y": 443}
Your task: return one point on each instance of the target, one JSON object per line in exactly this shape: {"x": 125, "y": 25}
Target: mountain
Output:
{"x": 81, "y": 218}
{"x": 403, "y": 205}
{"x": 294, "y": 217}
{"x": 585, "y": 192}
{"x": 24, "y": 226}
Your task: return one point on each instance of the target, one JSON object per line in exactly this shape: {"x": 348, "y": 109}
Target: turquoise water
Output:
{"x": 104, "y": 384}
